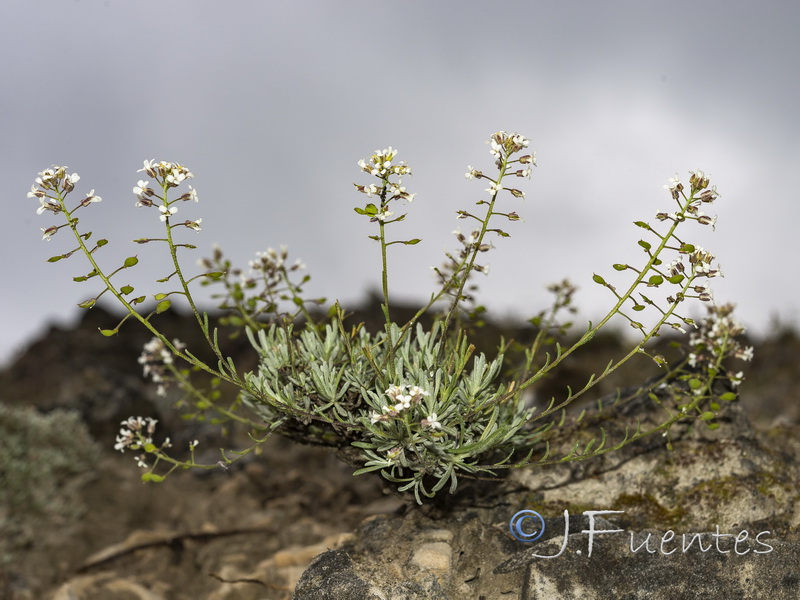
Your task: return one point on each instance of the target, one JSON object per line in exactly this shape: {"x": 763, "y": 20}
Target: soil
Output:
{"x": 248, "y": 532}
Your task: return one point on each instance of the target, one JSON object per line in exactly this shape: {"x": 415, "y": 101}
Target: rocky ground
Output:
{"x": 78, "y": 524}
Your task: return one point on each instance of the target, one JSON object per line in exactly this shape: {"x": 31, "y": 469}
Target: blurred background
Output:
{"x": 271, "y": 104}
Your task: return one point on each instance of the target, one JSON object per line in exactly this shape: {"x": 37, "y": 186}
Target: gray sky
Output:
{"x": 271, "y": 104}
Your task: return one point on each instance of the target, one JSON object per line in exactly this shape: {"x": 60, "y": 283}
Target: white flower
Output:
{"x": 494, "y": 187}
{"x": 175, "y": 177}
{"x": 432, "y": 421}
{"x": 384, "y": 215}
{"x": 673, "y": 183}
{"x": 394, "y": 390}
{"x": 194, "y": 224}
{"x": 124, "y": 439}
{"x": 141, "y": 190}
{"x": 90, "y": 197}
{"x": 166, "y": 212}
{"x": 44, "y": 178}
{"x": 416, "y": 392}
{"x": 519, "y": 140}
{"x": 46, "y": 204}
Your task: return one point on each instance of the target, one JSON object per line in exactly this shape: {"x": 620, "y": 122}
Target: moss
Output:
{"x": 647, "y": 511}
{"x": 44, "y": 459}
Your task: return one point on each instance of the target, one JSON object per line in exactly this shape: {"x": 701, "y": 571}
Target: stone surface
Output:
{"x": 250, "y": 533}
{"x": 715, "y": 518}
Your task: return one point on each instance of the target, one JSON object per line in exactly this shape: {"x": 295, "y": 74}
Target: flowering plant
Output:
{"x": 418, "y": 404}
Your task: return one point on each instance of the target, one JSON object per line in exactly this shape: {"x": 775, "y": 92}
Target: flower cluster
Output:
{"x": 170, "y": 174}
{"x": 136, "y": 433}
{"x": 167, "y": 175}
{"x": 715, "y": 340}
{"x": 271, "y": 262}
{"x": 401, "y": 399}
{"x": 382, "y": 166}
{"x": 700, "y": 194}
{"x": 503, "y": 145}
{"x": 700, "y": 261}
{"x": 50, "y": 188}
{"x": 156, "y": 360}
{"x": 458, "y": 267}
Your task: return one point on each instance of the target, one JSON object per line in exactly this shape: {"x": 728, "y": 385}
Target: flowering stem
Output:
{"x": 615, "y": 310}
{"x": 72, "y": 222}
{"x": 384, "y": 262}
{"x": 474, "y": 253}
{"x": 173, "y": 251}
{"x": 384, "y": 273}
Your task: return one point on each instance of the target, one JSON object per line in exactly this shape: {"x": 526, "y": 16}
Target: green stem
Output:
{"x": 131, "y": 310}
{"x": 622, "y": 299}
{"x": 173, "y": 251}
{"x": 636, "y": 349}
{"x": 474, "y": 254}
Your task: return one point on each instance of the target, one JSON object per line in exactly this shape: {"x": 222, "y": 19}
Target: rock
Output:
{"x": 715, "y": 518}
{"x": 250, "y": 532}
{"x": 105, "y": 585}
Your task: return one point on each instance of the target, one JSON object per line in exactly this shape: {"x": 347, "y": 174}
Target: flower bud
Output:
{"x": 708, "y": 195}
{"x": 706, "y": 220}
{"x": 698, "y": 180}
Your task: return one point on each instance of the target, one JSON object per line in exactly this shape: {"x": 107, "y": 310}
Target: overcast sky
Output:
{"x": 271, "y": 104}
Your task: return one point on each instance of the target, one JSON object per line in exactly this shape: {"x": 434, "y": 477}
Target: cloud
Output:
{"x": 272, "y": 104}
